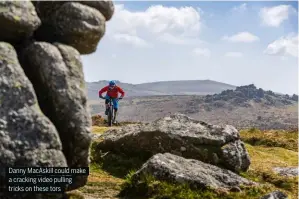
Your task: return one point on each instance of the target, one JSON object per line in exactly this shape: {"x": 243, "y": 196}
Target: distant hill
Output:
{"x": 184, "y": 87}
{"x": 243, "y": 107}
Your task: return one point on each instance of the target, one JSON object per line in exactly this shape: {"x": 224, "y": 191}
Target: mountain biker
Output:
{"x": 112, "y": 93}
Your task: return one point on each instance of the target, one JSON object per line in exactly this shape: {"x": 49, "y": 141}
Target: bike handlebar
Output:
{"x": 119, "y": 98}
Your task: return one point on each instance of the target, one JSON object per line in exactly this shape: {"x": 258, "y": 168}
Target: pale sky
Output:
{"x": 232, "y": 42}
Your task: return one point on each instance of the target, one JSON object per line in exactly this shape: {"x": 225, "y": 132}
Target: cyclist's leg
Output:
{"x": 115, "y": 105}
{"x": 106, "y": 104}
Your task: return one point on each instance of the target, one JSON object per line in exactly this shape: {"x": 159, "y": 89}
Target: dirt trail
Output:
{"x": 101, "y": 185}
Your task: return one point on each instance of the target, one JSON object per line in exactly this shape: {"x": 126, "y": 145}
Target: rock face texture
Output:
{"x": 183, "y": 136}
{"x": 27, "y": 137}
{"x": 275, "y": 195}
{"x": 105, "y": 7}
{"x": 78, "y": 25}
{"x": 56, "y": 72}
{"x": 44, "y": 119}
{"x": 175, "y": 169}
{"x": 18, "y": 20}
{"x": 286, "y": 171}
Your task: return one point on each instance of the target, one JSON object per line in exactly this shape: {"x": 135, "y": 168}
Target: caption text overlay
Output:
{"x": 42, "y": 179}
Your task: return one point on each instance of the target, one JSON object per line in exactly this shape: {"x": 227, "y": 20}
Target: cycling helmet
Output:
{"x": 112, "y": 83}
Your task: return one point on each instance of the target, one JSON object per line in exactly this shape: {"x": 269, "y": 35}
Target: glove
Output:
{"x": 119, "y": 98}
{"x": 101, "y": 97}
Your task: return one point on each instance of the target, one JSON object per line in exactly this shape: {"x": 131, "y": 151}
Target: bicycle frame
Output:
{"x": 110, "y": 112}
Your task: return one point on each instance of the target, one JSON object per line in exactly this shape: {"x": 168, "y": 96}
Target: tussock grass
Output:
{"x": 271, "y": 138}
{"x": 264, "y": 159}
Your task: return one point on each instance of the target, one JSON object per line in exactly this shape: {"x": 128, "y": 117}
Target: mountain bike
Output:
{"x": 111, "y": 112}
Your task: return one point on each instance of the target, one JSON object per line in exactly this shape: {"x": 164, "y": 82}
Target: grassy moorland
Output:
{"x": 267, "y": 149}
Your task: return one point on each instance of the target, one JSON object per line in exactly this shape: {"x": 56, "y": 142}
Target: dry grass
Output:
{"x": 75, "y": 195}
{"x": 264, "y": 159}
{"x": 269, "y": 149}
{"x": 99, "y": 129}
{"x": 147, "y": 109}
{"x": 101, "y": 185}
{"x": 98, "y": 120}
{"x": 287, "y": 139}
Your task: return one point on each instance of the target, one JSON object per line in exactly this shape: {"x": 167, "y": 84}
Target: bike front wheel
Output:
{"x": 110, "y": 116}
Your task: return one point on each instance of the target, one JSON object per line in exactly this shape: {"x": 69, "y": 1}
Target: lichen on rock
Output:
{"x": 18, "y": 20}
{"x": 27, "y": 137}
{"x": 178, "y": 170}
{"x": 56, "y": 73}
{"x": 71, "y": 23}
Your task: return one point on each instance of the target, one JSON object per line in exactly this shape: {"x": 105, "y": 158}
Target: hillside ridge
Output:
{"x": 179, "y": 87}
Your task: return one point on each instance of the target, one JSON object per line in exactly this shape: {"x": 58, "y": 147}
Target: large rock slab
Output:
{"x": 27, "y": 137}
{"x": 72, "y": 23}
{"x": 18, "y": 20}
{"x": 180, "y": 135}
{"x": 175, "y": 169}
{"x": 57, "y": 77}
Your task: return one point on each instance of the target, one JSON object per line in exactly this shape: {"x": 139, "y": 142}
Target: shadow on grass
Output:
{"x": 118, "y": 165}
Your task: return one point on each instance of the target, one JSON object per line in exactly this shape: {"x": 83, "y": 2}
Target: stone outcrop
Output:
{"x": 180, "y": 135}
{"x": 27, "y": 137}
{"x": 242, "y": 95}
{"x": 56, "y": 73}
{"x": 178, "y": 170}
{"x": 44, "y": 119}
{"x": 287, "y": 171}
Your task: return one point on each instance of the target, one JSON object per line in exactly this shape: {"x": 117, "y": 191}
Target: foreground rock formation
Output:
{"x": 44, "y": 120}
{"x": 27, "y": 137}
{"x": 275, "y": 195}
{"x": 183, "y": 136}
{"x": 175, "y": 169}
{"x": 61, "y": 85}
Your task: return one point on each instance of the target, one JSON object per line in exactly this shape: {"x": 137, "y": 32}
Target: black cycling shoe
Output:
{"x": 106, "y": 112}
